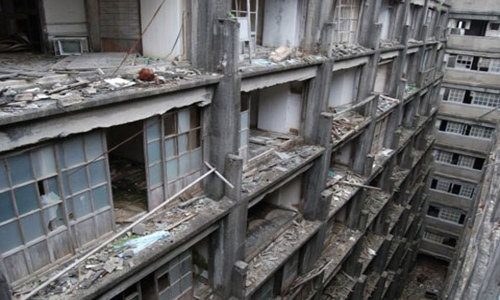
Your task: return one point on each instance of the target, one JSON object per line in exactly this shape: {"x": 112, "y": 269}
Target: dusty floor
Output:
{"x": 428, "y": 275}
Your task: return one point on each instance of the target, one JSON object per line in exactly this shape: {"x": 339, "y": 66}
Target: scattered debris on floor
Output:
{"x": 340, "y": 50}
{"x": 279, "y": 250}
{"x": 410, "y": 89}
{"x": 272, "y": 164}
{"x": 389, "y": 44}
{"x": 125, "y": 252}
{"x": 343, "y": 184}
{"x": 347, "y": 124}
{"x": 427, "y": 276}
{"x": 386, "y": 103}
{"x": 374, "y": 202}
{"x": 31, "y": 82}
{"x": 381, "y": 157}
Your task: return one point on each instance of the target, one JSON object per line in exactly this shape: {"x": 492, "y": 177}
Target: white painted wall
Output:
{"x": 281, "y": 23}
{"x": 279, "y": 109}
{"x": 65, "y": 18}
{"x": 384, "y": 18}
{"x": 161, "y": 35}
{"x": 344, "y": 87}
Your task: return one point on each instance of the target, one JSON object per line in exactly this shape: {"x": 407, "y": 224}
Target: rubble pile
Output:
{"x": 389, "y": 44}
{"x": 371, "y": 244}
{"x": 340, "y": 50}
{"x": 381, "y": 156}
{"x": 119, "y": 255}
{"x": 68, "y": 81}
{"x": 427, "y": 276}
{"x": 280, "y": 249}
{"x": 342, "y": 127}
{"x": 385, "y": 103}
{"x": 374, "y": 202}
{"x": 273, "y": 166}
{"x": 340, "y": 287}
{"x": 343, "y": 185}
{"x": 399, "y": 174}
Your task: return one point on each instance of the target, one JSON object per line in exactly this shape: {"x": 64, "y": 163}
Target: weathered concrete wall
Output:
{"x": 279, "y": 101}
{"x": 463, "y": 142}
{"x": 437, "y": 250}
{"x": 281, "y": 23}
{"x": 474, "y": 43}
{"x": 65, "y": 18}
{"x": 472, "y": 78}
{"x": 466, "y": 111}
{"x": 476, "y": 7}
{"x": 344, "y": 87}
{"x": 450, "y": 200}
{"x": 460, "y": 172}
{"x": 443, "y": 226}
{"x": 160, "y": 38}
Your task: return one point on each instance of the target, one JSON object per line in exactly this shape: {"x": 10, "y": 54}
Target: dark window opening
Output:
{"x": 462, "y": 219}
{"x": 494, "y": 26}
{"x": 442, "y": 126}
{"x": 434, "y": 183}
{"x": 449, "y": 241}
{"x": 467, "y": 130}
{"x": 454, "y": 159}
{"x": 456, "y": 189}
{"x": 467, "y": 98}
{"x": 21, "y": 25}
{"x": 477, "y": 28}
{"x": 433, "y": 211}
{"x": 478, "y": 163}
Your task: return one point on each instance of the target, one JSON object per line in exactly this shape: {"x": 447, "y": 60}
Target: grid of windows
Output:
{"x": 485, "y": 99}
{"x": 466, "y": 161}
{"x": 455, "y": 127}
{"x": 494, "y": 66}
{"x": 443, "y": 156}
{"x": 179, "y": 135}
{"x": 433, "y": 237}
{"x": 461, "y": 160}
{"x": 464, "y": 62}
{"x": 462, "y": 189}
{"x": 450, "y": 215}
{"x": 481, "y": 132}
{"x": 456, "y": 95}
{"x": 346, "y": 17}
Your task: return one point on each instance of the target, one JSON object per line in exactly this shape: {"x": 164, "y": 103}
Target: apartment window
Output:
{"x": 481, "y": 132}
{"x": 443, "y": 185}
{"x": 456, "y": 95}
{"x": 346, "y": 17}
{"x": 180, "y": 134}
{"x": 433, "y": 237}
{"x": 466, "y": 161}
{"x": 467, "y": 190}
{"x": 455, "y": 127}
{"x": 450, "y": 215}
{"x": 494, "y": 26}
{"x": 443, "y": 156}
{"x": 494, "y": 66}
{"x": 464, "y": 62}
{"x": 485, "y": 99}
{"x": 175, "y": 278}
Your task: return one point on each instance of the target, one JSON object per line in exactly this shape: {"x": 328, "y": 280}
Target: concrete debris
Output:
{"x": 386, "y": 103}
{"x": 389, "y": 44}
{"x": 139, "y": 229}
{"x": 23, "y": 97}
{"x": 427, "y": 276}
{"x": 119, "y": 82}
{"x": 280, "y": 54}
{"x": 381, "y": 156}
{"x": 264, "y": 171}
{"x": 340, "y": 50}
{"x": 347, "y": 124}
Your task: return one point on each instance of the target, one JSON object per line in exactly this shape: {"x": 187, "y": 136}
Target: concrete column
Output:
{"x": 398, "y": 255}
{"x": 399, "y": 62}
{"x": 92, "y": 12}
{"x": 353, "y": 264}
{"x": 386, "y": 181}
{"x": 359, "y": 289}
{"x": 239, "y": 279}
{"x": 202, "y": 45}
{"x": 365, "y": 142}
{"x": 380, "y": 261}
{"x": 392, "y": 292}
{"x": 225, "y": 108}
{"x": 368, "y": 19}
{"x": 316, "y": 207}
{"x": 363, "y": 220}
{"x": 229, "y": 245}
{"x": 425, "y": 107}
{"x": 353, "y": 208}
{"x": 313, "y": 25}
{"x": 379, "y": 288}
{"x": 410, "y": 113}
{"x": 326, "y": 39}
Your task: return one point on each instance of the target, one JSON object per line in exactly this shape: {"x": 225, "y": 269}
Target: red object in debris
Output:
{"x": 146, "y": 74}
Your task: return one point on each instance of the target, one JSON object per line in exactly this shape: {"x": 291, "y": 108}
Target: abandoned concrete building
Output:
{"x": 238, "y": 149}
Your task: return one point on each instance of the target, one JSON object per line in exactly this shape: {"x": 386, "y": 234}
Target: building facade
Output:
{"x": 287, "y": 145}
{"x": 466, "y": 126}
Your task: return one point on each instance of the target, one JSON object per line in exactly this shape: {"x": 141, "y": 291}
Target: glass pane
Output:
{"x": 44, "y": 162}
{"x": 6, "y": 207}
{"x": 169, "y": 124}
{"x": 155, "y": 174}
{"x": 196, "y": 160}
{"x": 93, "y": 145}
{"x": 184, "y": 164}
{"x": 183, "y": 121}
{"x": 49, "y": 199}
{"x": 78, "y": 179}
{"x": 97, "y": 172}
{"x": 243, "y": 138}
{"x": 10, "y": 236}
{"x": 194, "y": 139}
{"x": 169, "y": 148}
{"x": 53, "y": 217}
{"x": 172, "y": 172}
{"x": 26, "y": 198}
{"x": 244, "y": 120}
{"x": 154, "y": 152}
{"x": 20, "y": 170}
{"x": 182, "y": 143}
{"x": 194, "y": 117}
{"x": 73, "y": 149}
{"x": 65, "y": 184}
{"x": 81, "y": 205}
{"x": 3, "y": 175}
{"x": 32, "y": 227}
{"x": 100, "y": 196}
{"x": 152, "y": 129}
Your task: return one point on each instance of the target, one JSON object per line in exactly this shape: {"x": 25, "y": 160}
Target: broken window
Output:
{"x": 433, "y": 237}
{"x": 378, "y": 139}
{"x": 433, "y": 211}
{"x": 346, "y": 17}
{"x": 464, "y": 62}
